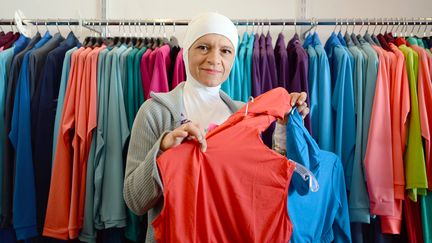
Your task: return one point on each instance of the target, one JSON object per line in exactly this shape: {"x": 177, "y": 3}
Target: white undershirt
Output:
{"x": 203, "y": 105}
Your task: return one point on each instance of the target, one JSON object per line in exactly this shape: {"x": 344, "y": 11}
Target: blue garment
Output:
{"x": 342, "y": 103}
{"x": 341, "y": 39}
{"x": 320, "y": 216}
{"x": 231, "y": 85}
{"x": 247, "y": 81}
{"x": 20, "y": 44}
{"x": 24, "y": 198}
{"x": 60, "y": 99}
{"x": 325, "y": 134}
{"x": 241, "y": 57}
{"x": 235, "y": 79}
{"x": 5, "y": 63}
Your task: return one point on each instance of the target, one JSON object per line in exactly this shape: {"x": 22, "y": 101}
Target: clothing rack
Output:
{"x": 240, "y": 22}
{"x": 96, "y": 24}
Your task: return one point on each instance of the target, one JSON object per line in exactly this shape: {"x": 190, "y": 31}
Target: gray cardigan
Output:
{"x": 143, "y": 189}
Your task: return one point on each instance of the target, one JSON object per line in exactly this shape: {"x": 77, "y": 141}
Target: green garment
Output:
{"x": 415, "y": 167}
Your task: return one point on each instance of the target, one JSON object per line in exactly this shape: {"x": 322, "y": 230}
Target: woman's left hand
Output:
{"x": 298, "y": 100}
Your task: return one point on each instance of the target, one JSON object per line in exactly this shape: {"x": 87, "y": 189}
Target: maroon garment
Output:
{"x": 389, "y": 37}
{"x": 6, "y": 38}
{"x": 383, "y": 42}
{"x": 413, "y": 221}
{"x": 11, "y": 41}
{"x": 281, "y": 57}
{"x": 298, "y": 71}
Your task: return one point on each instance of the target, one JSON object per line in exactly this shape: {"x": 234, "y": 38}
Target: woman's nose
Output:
{"x": 214, "y": 58}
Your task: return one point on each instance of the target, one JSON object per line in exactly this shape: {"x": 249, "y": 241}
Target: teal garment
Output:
{"x": 358, "y": 198}
{"x": 325, "y": 133}
{"x": 232, "y": 86}
{"x": 342, "y": 103}
{"x": 371, "y": 71}
{"x": 241, "y": 56}
{"x": 88, "y": 232}
{"x": 6, "y": 57}
{"x": 412, "y": 41}
{"x": 426, "y": 215}
{"x": 123, "y": 67}
{"x": 247, "y": 80}
{"x": 127, "y": 87}
{"x": 61, "y": 96}
{"x": 135, "y": 230}
{"x": 109, "y": 173}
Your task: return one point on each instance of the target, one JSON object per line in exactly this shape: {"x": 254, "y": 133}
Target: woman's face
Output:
{"x": 210, "y": 59}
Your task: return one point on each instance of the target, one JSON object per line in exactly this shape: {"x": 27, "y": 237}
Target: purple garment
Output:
{"x": 256, "y": 74}
{"x": 281, "y": 58}
{"x": 298, "y": 71}
{"x": 266, "y": 82}
{"x": 271, "y": 62}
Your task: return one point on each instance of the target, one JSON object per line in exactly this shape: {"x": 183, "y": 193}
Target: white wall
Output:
{"x": 240, "y": 9}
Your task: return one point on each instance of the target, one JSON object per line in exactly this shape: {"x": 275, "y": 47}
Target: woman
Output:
{"x": 186, "y": 112}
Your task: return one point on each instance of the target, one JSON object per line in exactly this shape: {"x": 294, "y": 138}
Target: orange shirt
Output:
{"x": 234, "y": 192}
{"x": 57, "y": 219}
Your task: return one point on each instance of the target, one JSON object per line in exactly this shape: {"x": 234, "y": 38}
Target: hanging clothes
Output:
{"x": 43, "y": 116}
{"x": 331, "y": 223}
{"x": 342, "y": 103}
{"x": 298, "y": 71}
{"x": 358, "y": 197}
{"x": 24, "y": 204}
{"x": 9, "y": 155}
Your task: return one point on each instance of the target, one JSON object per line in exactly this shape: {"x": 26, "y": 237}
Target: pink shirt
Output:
{"x": 161, "y": 61}
{"x": 179, "y": 70}
{"x": 378, "y": 160}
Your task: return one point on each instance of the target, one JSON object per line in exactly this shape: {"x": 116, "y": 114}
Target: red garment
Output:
{"x": 401, "y": 41}
{"x": 234, "y": 192}
{"x": 413, "y": 221}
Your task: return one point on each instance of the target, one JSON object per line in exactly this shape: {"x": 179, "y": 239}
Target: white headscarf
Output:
{"x": 203, "y": 104}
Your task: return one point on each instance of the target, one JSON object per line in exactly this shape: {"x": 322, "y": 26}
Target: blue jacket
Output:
{"x": 320, "y": 93}
{"x": 342, "y": 103}
{"x": 320, "y": 216}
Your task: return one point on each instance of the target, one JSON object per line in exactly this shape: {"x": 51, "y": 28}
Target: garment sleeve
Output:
{"x": 142, "y": 185}
{"x": 341, "y": 224}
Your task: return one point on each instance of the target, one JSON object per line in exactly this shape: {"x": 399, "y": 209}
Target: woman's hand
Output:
{"x": 187, "y": 131}
{"x": 299, "y": 100}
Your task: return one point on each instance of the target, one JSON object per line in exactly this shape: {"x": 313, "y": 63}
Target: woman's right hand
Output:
{"x": 187, "y": 131}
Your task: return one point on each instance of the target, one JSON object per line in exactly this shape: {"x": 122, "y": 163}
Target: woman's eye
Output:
{"x": 203, "y": 48}
{"x": 226, "y": 51}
